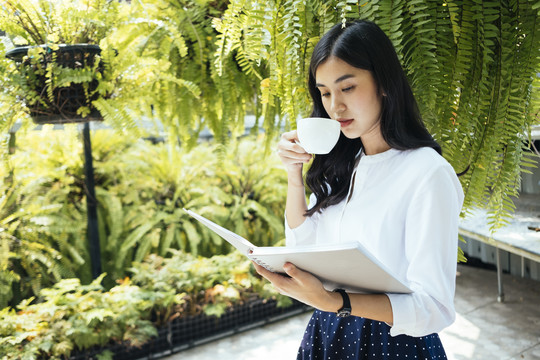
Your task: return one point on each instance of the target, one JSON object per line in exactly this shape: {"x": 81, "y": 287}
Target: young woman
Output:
{"x": 385, "y": 185}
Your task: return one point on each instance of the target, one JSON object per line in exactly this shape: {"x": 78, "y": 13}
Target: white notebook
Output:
{"x": 347, "y": 266}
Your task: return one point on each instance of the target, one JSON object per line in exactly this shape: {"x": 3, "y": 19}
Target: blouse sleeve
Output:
{"x": 305, "y": 233}
{"x": 431, "y": 235}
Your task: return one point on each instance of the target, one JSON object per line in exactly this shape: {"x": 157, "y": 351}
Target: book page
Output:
{"x": 244, "y": 246}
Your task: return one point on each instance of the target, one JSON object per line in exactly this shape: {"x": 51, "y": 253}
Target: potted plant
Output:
{"x": 59, "y": 68}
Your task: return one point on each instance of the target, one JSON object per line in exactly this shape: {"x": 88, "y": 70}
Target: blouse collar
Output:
{"x": 378, "y": 157}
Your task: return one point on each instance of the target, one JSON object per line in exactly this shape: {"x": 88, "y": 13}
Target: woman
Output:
{"x": 386, "y": 185}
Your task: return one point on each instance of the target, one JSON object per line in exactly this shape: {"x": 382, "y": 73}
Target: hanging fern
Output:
{"x": 157, "y": 59}
{"x": 182, "y": 91}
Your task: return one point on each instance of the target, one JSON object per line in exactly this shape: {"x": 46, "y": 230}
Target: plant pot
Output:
{"x": 62, "y": 107}
{"x": 195, "y": 330}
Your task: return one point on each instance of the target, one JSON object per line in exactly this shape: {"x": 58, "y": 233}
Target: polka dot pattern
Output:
{"x": 328, "y": 337}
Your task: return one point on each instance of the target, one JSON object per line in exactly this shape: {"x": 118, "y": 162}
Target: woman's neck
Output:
{"x": 373, "y": 141}
{"x": 373, "y": 148}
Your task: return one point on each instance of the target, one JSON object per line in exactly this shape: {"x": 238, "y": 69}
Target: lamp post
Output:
{"x": 91, "y": 204}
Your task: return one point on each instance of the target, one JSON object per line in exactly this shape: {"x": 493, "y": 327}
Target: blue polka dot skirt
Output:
{"x": 329, "y": 337}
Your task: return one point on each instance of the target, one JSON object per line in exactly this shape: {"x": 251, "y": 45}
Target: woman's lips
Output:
{"x": 345, "y": 122}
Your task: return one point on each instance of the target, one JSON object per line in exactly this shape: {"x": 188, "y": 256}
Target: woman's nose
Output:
{"x": 337, "y": 106}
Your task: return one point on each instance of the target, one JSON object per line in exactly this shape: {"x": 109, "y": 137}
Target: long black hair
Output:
{"x": 364, "y": 45}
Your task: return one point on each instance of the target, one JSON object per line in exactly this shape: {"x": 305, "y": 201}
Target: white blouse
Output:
{"x": 404, "y": 209}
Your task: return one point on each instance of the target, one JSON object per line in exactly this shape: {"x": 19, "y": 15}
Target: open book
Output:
{"x": 347, "y": 266}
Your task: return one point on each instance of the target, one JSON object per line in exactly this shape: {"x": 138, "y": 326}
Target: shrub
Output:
{"x": 73, "y": 317}
{"x": 141, "y": 189}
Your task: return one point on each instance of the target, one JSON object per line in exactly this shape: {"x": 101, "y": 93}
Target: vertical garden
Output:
{"x": 170, "y": 71}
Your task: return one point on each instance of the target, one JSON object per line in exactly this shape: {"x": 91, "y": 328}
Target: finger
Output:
{"x": 260, "y": 270}
{"x": 290, "y": 136}
{"x": 291, "y": 157}
{"x": 294, "y": 272}
{"x": 290, "y": 141}
{"x": 284, "y": 144}
{"x": 291, "y": 151}
{"x": 266, "y": 273}
{"x": 279, "y": 281}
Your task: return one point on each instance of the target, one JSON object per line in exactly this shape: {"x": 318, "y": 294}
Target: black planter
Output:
{"x": 186, "y": 332}
{"x": 65, "y": 102}
{"x": 196, "y": 330}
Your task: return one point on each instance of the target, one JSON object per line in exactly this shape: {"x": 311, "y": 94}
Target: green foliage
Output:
{"x": 167, "y": 48}
{"x": 202, "y": 285}
{"x": 141, "y": 213}
{"x": 141, "y": 189}
{"x": 76, "y": 317}
{"x": 472, "y": 66}
{"x": 11, "y": 108}
{"x": 256, "y": 188}
{"x": 36, "y": 206}
{"x": 34, "y": 22}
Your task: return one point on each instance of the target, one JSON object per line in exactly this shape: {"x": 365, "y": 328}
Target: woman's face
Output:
{"x": 349, "y": 95}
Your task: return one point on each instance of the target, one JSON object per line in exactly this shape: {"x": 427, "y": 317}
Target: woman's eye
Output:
{"x": 347, "y": 88}
{"x": 326, "y": 94}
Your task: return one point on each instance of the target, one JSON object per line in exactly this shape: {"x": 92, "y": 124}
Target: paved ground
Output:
{"x": 484, "y": 329}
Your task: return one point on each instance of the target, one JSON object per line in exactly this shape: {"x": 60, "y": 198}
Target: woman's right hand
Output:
{"x": 292, "y": 155}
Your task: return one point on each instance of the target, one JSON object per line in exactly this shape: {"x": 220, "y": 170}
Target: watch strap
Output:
{"x": 346, "y": 309}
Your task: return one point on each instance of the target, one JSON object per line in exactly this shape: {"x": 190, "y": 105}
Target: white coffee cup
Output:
{"x": 318, "y": 135}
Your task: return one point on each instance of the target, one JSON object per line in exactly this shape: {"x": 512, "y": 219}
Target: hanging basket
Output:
{"x": 62, "y": 106}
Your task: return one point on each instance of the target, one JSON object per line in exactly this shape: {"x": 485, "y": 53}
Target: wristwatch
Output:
{"x": 345, "y": 310}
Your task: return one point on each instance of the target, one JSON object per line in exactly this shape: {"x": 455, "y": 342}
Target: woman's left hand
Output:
{"x": 302, "y": 286}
